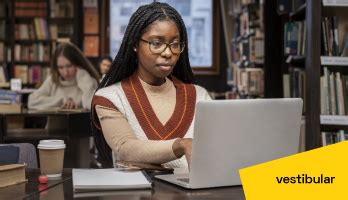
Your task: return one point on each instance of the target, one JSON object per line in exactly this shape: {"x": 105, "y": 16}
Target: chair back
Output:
{"x": 27, "y": 154}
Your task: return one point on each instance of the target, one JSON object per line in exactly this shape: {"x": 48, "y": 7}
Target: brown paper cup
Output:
{"x": 51, "y": 153}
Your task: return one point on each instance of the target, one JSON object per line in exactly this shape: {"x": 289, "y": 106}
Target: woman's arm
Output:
{"x": 41, "y": 98}
{"x": 88, "y": 85}
{"x": 122, "y": 140}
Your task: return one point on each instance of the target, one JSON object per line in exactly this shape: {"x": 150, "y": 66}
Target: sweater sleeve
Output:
{"x": 122, "y": 140}
{"x": 88, "y": 85}
{"x": 41, "y": 98}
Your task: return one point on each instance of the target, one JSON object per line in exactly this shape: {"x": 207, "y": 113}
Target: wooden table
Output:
{"x": 161, "y": 190}
{"x": 32, "y": 187}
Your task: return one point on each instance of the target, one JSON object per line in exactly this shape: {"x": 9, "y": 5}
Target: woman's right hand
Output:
{"x": 183, "y": 146}
{"x": 69, "y": 104}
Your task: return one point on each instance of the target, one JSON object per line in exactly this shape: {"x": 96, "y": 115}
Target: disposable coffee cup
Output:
{"x": 51, "y": 153}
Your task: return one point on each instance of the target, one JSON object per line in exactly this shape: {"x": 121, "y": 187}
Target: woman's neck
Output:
{"x": 154, "y": 82}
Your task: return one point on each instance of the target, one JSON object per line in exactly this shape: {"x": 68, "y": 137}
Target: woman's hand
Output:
{"x": 69, "y": 104}
{"x": 183, "y": 146}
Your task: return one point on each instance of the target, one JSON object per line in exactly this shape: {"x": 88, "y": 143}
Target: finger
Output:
{"x": 70, "y": 105}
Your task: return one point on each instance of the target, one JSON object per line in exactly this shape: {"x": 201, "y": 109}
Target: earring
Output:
{"x": 135, "y": 49}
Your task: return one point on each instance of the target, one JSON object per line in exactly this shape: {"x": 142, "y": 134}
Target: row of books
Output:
{"x": 10, "y": 97}
{"x": 33, "y": 74}
{"x": 249, "y": 81}
{"x": 333, "y": 93}
{"x": 248, "y": 39}
{"x": 2, "y": 9}
{"x": 31, "y": 31}
{"x": 2, "y": 52}
{"x": 36, "y": 8}
{"x": 58, "y": 30}
{"x": 60, "y": 8}
{"x": 40, "y": 31}
{"x": 37, "y": 52}
{"x": 3, "y": 75}
{"x": 330, "y": 37}
{"x": 294, "y": 83}
{"x": 2, "y": 29}
{"x": 294, "y": 38}
{"x": 333, "y": 137}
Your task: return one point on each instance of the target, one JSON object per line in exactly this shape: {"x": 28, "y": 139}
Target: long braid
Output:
{"x": 125, "y": 62}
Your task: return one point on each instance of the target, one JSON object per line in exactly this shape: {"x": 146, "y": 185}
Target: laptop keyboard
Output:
{"x": 184, "y": 179}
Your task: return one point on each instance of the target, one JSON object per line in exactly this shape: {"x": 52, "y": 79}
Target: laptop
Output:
{"x": 234, "y": 134}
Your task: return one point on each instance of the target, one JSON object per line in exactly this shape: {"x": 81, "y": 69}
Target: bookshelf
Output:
{"x": 243, "y": 30}
{"x": 30, "y": 30}
{"x": 91, "y": 29}
{"x": 313, "y": 45}
{"x": 334, "y": 62}
{"x": 3, "y": 44}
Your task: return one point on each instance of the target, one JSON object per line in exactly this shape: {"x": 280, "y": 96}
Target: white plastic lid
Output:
{"x": 51, "y": 144}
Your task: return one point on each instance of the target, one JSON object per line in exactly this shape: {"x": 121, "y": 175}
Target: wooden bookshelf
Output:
{"x": 312, "y": 62}
{"x": 334, "y": 60}
{"x": 243, "y": 30}
{"x": 299, "y": 13}
{"x": 34, "y": 28}
{"x": 295, "y": 60}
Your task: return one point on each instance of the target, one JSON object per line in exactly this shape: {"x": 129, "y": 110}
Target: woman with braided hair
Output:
{"x": 144, "y": 107}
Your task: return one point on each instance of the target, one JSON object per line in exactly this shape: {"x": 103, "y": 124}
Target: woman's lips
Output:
{"x": 165, "y": 67}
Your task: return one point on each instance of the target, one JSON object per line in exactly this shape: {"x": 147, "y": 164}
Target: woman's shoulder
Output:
{"x": 111, "y": 89}
{"x": 200, "y": 89}
{"x": 202, "y": 93}
{"x": 48, "y": 80}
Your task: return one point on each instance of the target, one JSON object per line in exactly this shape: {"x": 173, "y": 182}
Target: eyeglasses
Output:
{"x": 158, "y": 47}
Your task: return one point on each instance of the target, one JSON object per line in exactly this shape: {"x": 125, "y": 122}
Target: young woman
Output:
{"x": 144, "y": 108}
{"x": 72, "y": 82}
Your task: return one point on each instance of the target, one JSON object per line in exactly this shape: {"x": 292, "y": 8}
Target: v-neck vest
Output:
{"x": 121, "y": 96}
{"x": 178, "y": 123}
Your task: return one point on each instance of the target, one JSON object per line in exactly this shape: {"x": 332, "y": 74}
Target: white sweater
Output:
{"x": 50, "y": 95}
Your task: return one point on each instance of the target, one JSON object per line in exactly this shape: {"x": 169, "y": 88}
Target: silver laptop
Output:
{"x": 234, "y": 134}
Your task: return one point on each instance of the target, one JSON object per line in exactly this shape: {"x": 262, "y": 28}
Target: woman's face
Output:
{"x": 154, "y": 67}
{"x": 66, "y": 69}
{"x": 105, "y": 65}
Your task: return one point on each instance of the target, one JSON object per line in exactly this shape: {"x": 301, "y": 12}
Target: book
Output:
{"x": 13, "y": 97}
{"x": 91, "y": 46}
{"x": 10, "y": 108}
{"x": 88, "y": 180}
{"x": 91, "y": 21}
{"x": 12, "y": 174}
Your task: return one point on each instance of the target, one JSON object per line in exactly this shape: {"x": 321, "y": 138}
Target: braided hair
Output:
{"x": 125, "y": 62}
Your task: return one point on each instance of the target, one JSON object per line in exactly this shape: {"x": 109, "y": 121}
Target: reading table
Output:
{"x": 63, "y": 190}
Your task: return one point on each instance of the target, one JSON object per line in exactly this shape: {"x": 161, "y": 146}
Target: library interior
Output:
{"x": 77, "y": 88}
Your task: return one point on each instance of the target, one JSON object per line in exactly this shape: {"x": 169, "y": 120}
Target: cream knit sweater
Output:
{"x": 123, "y": 132}
{"x": 50, "y": 95}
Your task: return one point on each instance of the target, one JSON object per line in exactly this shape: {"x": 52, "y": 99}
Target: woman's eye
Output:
{"x": 156, "y": 43}
{"x": 175, "y": 45}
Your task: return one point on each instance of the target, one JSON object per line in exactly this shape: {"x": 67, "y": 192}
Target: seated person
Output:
{"x": 104, "y": 65}
{"x": 72, "y": 82}
{"x": 144, "y": 108}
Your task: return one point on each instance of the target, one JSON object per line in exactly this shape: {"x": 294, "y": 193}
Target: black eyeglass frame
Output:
{"x": 182, "y": 44}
